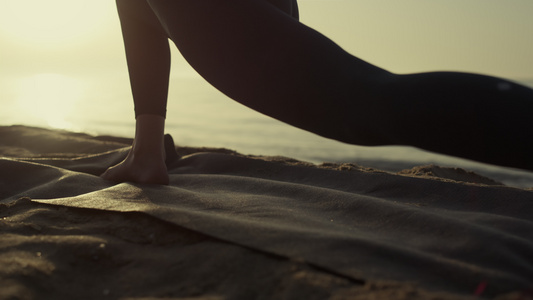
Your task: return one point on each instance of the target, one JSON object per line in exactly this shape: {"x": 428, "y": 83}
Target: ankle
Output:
{"x": 149, "y": 136}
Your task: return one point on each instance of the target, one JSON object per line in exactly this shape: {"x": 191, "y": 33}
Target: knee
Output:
{"x": 376, "y": 111}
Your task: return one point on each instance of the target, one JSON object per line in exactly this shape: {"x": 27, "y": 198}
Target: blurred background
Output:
{"x": 62, "y": 66}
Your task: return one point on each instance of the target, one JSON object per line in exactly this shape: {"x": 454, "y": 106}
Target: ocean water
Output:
{"x": 199, "y": 115}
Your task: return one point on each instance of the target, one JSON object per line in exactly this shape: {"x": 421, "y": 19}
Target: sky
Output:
{"x": 68, "y": 53}
{"x": 484, "y": 36}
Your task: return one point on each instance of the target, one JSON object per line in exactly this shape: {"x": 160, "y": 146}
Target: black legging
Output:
{"x": 257, "y": 53}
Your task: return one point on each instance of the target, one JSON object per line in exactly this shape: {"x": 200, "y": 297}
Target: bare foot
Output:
{"x": 146, "y": 161}
{"x": 139, "y": 169}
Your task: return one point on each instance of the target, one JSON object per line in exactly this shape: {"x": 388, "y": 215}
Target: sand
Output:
{"x": 232, "y": 226}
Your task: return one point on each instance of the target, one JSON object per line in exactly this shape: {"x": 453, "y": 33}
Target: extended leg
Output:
{"x": 268, "y": 61}
{"x": 473, "y": 116}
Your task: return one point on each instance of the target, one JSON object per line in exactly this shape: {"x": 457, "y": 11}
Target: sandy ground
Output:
{"x": 53, "y": 252}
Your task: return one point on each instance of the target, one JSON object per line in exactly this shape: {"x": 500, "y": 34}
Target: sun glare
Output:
{"x": 50, "y": 98}
{"x": 52, "y": 22}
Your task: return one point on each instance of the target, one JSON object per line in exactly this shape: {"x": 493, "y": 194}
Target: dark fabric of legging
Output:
{"x": 264, "y": 58}
{"x": 148, "y": 56}
{"x": 146, "y": 44}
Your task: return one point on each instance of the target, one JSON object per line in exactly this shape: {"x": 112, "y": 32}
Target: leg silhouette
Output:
{"x": 265, "y": 59}
{"x": 259, "y": 54}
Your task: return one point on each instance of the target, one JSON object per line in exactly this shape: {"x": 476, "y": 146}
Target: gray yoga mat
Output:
{"x": 365, "y": 225}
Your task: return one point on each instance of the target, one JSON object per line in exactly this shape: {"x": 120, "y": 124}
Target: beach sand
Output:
{"x": 231, "y": 226}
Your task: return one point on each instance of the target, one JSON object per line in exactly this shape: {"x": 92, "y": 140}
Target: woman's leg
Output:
{"x": 266, "y": 60}
{"x": 147, "y": 54}
{"x": 148, "y": 58}
{"x": 473, "y": 116}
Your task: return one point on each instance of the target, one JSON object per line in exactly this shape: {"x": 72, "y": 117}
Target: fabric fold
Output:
{"x": 367, "y": 225}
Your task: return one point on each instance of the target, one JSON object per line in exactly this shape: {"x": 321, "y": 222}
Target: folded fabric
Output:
{"x": 438, "y": 233}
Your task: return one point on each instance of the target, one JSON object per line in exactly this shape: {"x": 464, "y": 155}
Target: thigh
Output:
{"x": 265, "y": 59}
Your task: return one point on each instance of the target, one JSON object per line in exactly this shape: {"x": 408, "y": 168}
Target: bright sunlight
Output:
{"x": 52, "y": 22}
{"x": 50, "y": 97}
